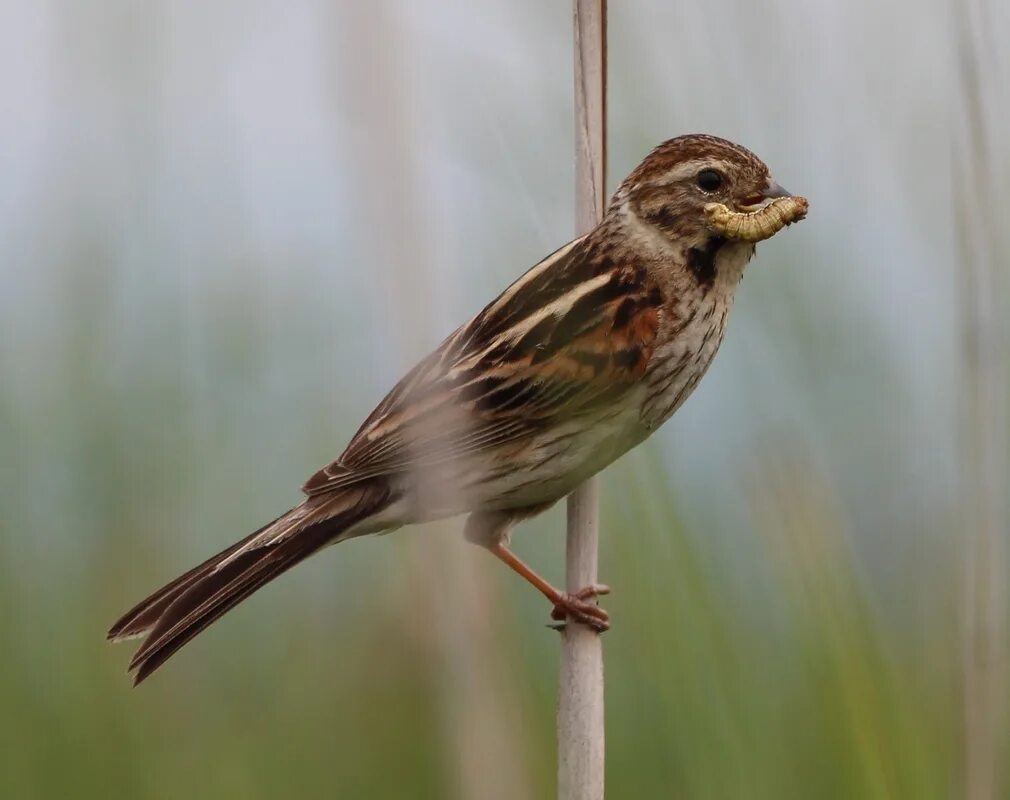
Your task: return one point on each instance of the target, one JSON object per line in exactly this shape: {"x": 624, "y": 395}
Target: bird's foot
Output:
{"x": 579, "y": 607}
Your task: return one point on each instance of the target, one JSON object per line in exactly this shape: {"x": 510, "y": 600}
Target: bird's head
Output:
{"x": 667, "y": 193}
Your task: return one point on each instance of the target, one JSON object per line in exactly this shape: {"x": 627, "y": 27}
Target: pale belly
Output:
{"x": 536, "y": 471}
{"x": 557, "y": 461}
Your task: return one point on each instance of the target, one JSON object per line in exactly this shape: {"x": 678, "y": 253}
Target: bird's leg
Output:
{"x": 577, "y": 605}
{"x": 490, "y": 531}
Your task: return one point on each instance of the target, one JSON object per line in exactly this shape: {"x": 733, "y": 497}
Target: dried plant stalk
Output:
{"x": 581, "y": 751}
{"x": 756, "y": 226}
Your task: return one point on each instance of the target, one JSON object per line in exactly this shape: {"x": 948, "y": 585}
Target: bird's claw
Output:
{"x": 578, "y": 607}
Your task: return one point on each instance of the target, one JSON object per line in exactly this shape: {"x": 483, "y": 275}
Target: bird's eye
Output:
{"x": 709, "y": 180}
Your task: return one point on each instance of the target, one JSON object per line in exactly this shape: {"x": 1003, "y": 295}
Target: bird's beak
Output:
{"x": 774, "y": 190}
{"x": 769, "y": 193}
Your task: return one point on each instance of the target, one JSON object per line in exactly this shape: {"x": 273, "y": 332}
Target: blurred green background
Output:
{"x": 227, "y": 228}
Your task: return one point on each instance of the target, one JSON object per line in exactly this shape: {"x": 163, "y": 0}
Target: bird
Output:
{"x": 575, "y": 363}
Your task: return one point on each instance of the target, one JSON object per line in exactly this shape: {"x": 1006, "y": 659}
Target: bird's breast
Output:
{"x": 689, "y": 340}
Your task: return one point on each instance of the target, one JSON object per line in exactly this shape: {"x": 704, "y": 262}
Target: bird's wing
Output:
{"x": 572, "y": 334}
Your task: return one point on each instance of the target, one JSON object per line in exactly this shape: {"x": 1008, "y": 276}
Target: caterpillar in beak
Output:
{"x": 756, "y": 226}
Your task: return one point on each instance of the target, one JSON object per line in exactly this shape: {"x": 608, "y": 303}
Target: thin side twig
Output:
{"x": 580, "y": 695}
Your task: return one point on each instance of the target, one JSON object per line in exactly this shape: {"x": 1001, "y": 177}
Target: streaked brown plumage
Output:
{"x": 575, "y": 363}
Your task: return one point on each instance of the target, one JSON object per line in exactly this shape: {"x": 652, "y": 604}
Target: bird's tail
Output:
{"x": 181, "y": 609}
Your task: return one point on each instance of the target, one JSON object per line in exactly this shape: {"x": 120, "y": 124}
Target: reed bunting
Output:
{"x": 575, "y": 363}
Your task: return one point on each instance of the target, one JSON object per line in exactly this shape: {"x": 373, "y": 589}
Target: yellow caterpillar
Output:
{"x": 756, "y": 226}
